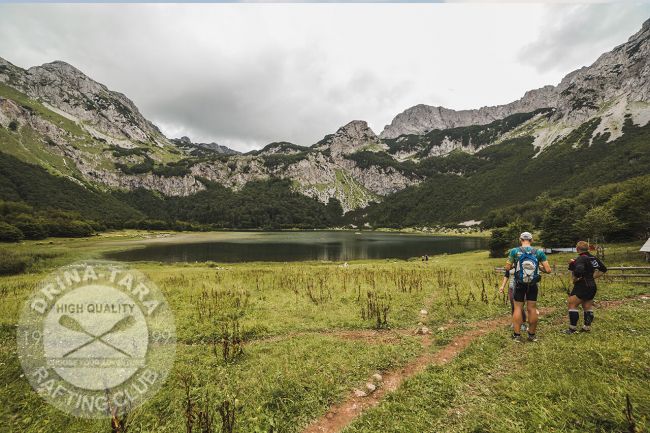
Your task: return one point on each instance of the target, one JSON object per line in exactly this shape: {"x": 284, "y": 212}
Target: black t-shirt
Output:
{"x": 583, "y": 267}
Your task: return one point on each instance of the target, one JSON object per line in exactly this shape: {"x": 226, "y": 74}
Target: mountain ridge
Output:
{"x": 423, "y": 118}
{"x": 199, "y": 149}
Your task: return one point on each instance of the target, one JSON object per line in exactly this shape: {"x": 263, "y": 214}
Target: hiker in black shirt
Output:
{"x": 585, "y": 269}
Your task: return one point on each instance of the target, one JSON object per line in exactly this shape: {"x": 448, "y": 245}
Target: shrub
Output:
{"x": 11, "y": 263}
{"x": 9, "y": 233}
{"x": 14, "y": 208}
{"x": 69, "y": 228}
{"x": 499, "y": 242}
{"x": 153, "y": 225}
{"x": 32, "y": 229}
{"x": 13, "y": 126}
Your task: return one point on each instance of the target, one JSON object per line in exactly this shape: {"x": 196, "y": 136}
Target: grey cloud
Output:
{"x": 203, "y": 89}
{"x": 575, "y": 35}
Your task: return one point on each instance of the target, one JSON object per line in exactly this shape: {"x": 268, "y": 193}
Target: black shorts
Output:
{"x": 584, "y": 293}
{"x": 525, "y": 292}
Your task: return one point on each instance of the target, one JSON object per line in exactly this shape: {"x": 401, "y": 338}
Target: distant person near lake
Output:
{"x": 526, "y": 262}
{"x": 585, "y": 269}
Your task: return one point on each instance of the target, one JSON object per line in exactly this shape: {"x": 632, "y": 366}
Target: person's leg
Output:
{"x": 574, "y": 313}
{"x": 531, "y": 307}
{"x": 517, "y": 318}
{"x": 588, "y": 309}
{"x": 519, "y": 295}
{"x": 512, "y": 299}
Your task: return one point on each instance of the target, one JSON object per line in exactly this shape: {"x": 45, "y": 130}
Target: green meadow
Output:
{"x": 270, "y": 347}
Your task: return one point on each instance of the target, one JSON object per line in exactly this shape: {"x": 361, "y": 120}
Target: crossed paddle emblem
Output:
{"x": 72, "y": 324}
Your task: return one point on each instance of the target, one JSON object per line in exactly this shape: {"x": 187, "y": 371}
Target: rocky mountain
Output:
{"x": 105, "y": 114}
{"x": 55, "y": 116}
{"x": 612, "y": 87}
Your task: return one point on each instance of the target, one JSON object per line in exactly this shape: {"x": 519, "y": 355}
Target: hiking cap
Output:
{"x": 527, "y": 236}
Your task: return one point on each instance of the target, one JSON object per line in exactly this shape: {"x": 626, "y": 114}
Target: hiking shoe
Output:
{"x": 516, "y": 338}
{"x": 586, "y": 329}
{"x": 532, "y": 338}
{"x": 570, "y": 331}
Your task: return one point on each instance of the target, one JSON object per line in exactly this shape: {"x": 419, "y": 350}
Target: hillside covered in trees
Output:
{"x": 514, "y": 180}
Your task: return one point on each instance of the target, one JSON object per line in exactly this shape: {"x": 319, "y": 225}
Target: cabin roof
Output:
{"x": 646, "y": 247}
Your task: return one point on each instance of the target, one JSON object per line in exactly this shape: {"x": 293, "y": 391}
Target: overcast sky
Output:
{"x": 245, "y": 75}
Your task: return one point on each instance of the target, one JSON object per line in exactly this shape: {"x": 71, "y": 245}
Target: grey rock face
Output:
{"x": 170, "y": 186}
{"x": 622, "y": 73}
{"x": 55, "y": 138}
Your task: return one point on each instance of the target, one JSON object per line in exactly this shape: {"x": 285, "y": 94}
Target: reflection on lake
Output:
{"x": 298, "y": 246}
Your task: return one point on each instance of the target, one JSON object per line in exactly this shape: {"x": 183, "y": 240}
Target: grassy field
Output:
{"x": 310, "y": 337}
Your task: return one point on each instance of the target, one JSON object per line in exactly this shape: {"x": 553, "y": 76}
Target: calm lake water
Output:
{"x": 298, "y": 246}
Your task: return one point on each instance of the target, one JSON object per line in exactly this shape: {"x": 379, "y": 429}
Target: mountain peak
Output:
{"x": 357, "y": 129}
{"x": 61, "y": 66}
{"x": 349, "y": 137}
{"x": 104, "y": 113}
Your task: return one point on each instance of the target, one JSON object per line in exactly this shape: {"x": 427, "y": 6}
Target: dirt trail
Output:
{"x": 339, "y": 416}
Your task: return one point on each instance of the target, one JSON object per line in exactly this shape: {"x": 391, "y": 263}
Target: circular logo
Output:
{"x": 96, "y": 339}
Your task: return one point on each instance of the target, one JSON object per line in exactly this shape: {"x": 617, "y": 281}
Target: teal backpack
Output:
{"x": 527, "y": 269}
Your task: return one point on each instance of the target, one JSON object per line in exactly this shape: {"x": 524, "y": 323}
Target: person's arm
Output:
{"x": 509, "y": 261}
{"x": 600, "y": 270}
{"x": 504, "y": 281}
{"x": 546, "y": 268}
{"x": 572, "y": 265}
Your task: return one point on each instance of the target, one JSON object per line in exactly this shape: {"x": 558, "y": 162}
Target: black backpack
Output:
{"x": 580, "y": 267}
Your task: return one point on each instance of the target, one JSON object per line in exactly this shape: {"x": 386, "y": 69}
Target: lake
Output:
{"x": 294, "y": 246}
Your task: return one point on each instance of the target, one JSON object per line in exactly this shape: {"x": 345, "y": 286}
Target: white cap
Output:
{"x": 527, "y": 236}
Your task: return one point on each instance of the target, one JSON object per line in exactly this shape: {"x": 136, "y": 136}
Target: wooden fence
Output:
{"x": 629, "y": 274}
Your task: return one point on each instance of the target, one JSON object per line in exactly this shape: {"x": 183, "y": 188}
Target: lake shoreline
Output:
{"x": 170, "y": 236}
{"x": 284, "y": 246}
